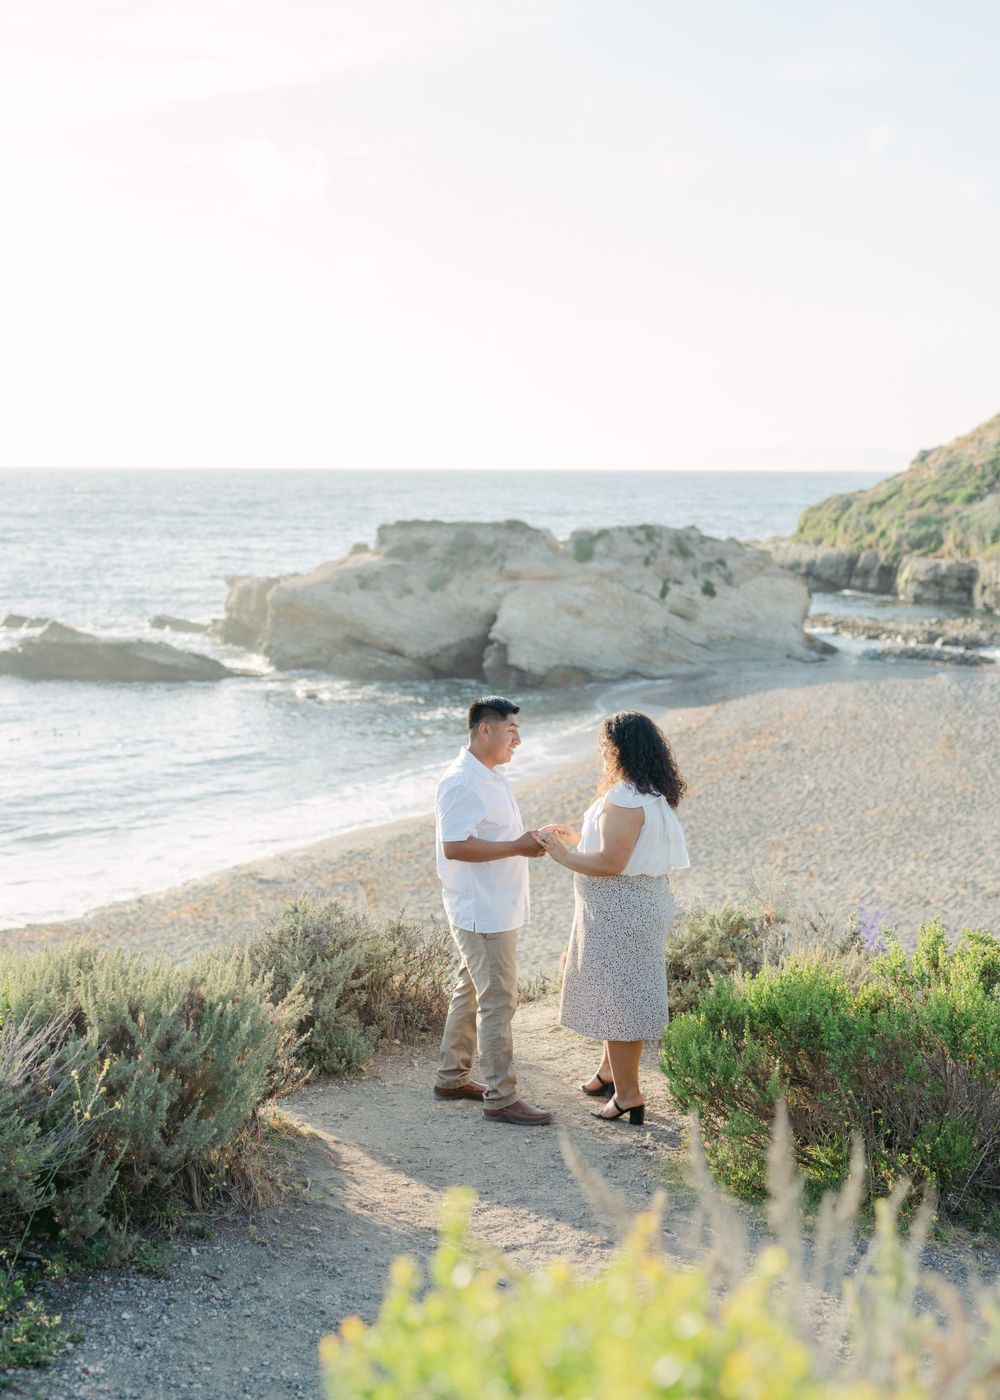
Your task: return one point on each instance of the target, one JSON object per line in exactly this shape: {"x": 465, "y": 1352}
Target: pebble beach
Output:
{"x": 839, "y": 787}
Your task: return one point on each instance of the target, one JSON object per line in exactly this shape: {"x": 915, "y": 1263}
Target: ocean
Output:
{"x": 109, "y": 791}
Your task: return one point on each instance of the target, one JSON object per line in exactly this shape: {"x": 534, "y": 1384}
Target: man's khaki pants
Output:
{"x": 486, "y": 991}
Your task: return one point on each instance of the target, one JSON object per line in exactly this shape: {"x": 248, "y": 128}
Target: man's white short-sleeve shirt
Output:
{"x": 487, "y": 896}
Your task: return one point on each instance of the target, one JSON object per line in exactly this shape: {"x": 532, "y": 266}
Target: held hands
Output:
{"x": 565, "y": 833}
{"x": 551, "y": 841}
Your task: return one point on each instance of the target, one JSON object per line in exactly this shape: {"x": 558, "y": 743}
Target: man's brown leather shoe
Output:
{"x": 469, "y": 1090}
{"x": 518, "y": 1112}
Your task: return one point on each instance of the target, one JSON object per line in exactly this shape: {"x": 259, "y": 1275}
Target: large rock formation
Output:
{"x": 930, "y": 534}
{"x": 511, "y": 605}
{"x": 246, "y": 604}
{"x": 63, "y": 653}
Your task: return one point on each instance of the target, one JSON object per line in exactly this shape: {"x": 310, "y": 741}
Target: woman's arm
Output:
{"x": 619, "y": 829}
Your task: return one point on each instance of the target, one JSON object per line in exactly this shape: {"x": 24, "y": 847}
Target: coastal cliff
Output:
{"x": 512, "y": 605}
{"x": 930, "y": 534}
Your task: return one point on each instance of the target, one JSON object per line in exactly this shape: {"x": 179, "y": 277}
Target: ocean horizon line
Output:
{"x": 453, "y": 471}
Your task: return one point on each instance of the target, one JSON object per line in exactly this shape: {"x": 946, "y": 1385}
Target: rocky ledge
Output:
{"x": 65, "y": 654}
{"x": 957, "y": 641}
{"x": 512, "y": 605}
{"x": 972, "y": 583}
{"x": 965, "y": 632}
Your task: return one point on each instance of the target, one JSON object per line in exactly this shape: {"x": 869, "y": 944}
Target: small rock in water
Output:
{"x": 19, "y": 620}
{"x": 178, "y": 624}
{"x": 64, "y": 653}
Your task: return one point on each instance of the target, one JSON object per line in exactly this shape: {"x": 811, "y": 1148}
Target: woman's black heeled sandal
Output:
{"x": 607, "y": 1088}
{"x": 636, "y": 1115}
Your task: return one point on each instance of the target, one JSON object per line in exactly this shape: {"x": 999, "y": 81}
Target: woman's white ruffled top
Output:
{"x": 660, "y": 846}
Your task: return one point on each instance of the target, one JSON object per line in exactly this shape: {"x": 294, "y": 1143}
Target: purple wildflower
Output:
{"x": 871, "y": 928}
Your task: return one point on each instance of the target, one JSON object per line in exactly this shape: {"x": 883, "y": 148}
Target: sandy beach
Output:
{"x": 847, "y": 786}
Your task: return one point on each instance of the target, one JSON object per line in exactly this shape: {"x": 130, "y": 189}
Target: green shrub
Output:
{"x": 41, "y": 1126}
{"x": 29, "y": 1336}
{"x": 129, "y": 1086}
{"x": 906, "y": 1053}
{"x": 925, "y": 535}
{"x": 362, "y": 979}
{"x": 141, "y": 1071}
{"x": 706, "y": 944}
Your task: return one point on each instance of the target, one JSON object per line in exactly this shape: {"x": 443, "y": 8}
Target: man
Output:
{"x": 482, "y": 857}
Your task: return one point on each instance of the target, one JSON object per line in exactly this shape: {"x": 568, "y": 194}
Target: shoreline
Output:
{"x": 843, "y": 785}
{"x": 556, "y": 739}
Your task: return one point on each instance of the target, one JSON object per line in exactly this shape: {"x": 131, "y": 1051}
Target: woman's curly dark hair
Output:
{"x": 639, "y": 753}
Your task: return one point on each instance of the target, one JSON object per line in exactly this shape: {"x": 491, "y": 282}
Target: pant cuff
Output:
{"x": 453, "y": 1081}
{"x": 499, "y": 1100}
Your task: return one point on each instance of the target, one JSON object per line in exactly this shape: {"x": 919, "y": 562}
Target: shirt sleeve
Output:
{"x": 460, "y": 810}
{"x": 623, "y": 795}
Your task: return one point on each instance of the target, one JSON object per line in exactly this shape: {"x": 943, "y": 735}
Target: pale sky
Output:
{"x": 496, "y": 233}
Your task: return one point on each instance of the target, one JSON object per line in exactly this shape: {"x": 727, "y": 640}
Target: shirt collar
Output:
{"x": 469, "y": 760}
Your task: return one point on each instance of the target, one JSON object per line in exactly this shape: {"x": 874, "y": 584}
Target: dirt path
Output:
{"x": 242, "y": 1318}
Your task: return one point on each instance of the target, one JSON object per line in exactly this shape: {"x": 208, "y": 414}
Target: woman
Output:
{"x": 615, "y": 981}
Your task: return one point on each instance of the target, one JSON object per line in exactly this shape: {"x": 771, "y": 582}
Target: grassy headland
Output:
{"x": 946, "y": 504}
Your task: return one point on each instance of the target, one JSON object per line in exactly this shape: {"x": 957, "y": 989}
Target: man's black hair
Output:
{"x": 490, "y": 707}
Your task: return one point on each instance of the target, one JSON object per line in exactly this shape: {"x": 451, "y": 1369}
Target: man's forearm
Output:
{"x": 474, "y": 848}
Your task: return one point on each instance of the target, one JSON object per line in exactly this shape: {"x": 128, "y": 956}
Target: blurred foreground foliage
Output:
{"x": 738, "y": 1326}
